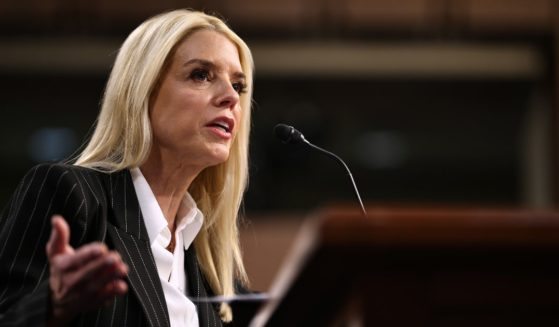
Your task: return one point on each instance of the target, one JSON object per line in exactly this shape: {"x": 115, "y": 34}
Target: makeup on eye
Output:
{"x": 205, "y": 75}
{"x": 206, "y": 71}
{"x": 240, "y": 87}
{"x": 200, "y": 74}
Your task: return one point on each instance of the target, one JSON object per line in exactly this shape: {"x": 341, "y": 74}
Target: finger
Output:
{"x": 107, "y": 290}
{"x": 114, "y": 269}
{"x": 59, "y": 237}
{"x": 112, "y": 289}
{"x": 116, "y": 288}
{"x": 86, "y": 299}
{"x": 81, "y": 257}
{"x": 91, "y": 277}
{"x": 106, "y": 295}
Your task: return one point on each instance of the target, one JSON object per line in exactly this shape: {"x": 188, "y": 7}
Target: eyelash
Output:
{"x": 240, "y": 87}
{"x": 202, "y": 75}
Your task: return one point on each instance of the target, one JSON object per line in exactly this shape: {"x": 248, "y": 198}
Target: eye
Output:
{"x": 200, "y": 75}
{"x": 240, "y": 87}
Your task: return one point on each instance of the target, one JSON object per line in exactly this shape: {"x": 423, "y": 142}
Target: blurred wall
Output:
{"x": 429, "y": 101}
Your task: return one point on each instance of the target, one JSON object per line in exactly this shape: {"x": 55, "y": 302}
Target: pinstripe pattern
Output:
{"x": 98, "y": 207}
{"x": 197, "y": 287}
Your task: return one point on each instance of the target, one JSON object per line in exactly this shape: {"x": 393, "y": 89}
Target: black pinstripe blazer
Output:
{"x": 98, "y": 207}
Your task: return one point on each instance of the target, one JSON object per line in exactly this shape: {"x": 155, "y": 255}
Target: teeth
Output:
{"x": 223, "y": 125}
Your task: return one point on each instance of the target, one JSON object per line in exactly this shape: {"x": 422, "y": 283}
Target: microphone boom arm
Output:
{"x": 339, "y": 160}
{"x": 289, "y": 135}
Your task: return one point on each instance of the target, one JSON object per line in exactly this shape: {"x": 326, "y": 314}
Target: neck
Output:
{"x": 169, "y": 180}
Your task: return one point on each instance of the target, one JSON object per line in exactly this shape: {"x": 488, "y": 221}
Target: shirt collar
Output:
{"x": 188, "y": 213}
{"x": 190, "y": 220}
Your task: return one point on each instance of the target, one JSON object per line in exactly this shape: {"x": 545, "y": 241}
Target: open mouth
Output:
{"x": 221, "y": 125}
{"x": 224, "y": 124}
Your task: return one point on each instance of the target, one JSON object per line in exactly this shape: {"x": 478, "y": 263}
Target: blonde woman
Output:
{"x": 145, "y": 221}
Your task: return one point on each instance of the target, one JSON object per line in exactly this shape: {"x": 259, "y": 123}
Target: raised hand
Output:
{"x": 81, "y": 279}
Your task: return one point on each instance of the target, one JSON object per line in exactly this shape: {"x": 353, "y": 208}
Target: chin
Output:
{"x": 219, "y": 157}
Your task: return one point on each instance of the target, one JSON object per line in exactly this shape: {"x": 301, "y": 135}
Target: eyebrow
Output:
{"x": 209, "y": 64}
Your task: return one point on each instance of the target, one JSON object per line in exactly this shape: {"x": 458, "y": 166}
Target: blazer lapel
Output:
{"x": 127, "y": 231}
{"x": 207, "y": 312}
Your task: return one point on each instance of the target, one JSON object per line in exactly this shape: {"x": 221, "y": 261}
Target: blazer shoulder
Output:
{"x": 59, "y": 168}
{"x": 81, "y": 195}
{"x": 50, "y": 170}
{"x": 61, "y": 184}
{"x": 67, "y": 173}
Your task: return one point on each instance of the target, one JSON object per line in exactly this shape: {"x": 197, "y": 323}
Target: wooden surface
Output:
{"x": 265, "y": 241}
{"x": 423, "y": 267}
{"x": 444, "y": 227}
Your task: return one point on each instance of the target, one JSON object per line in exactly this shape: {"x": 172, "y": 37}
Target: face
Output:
{"x": 195, "y": 111}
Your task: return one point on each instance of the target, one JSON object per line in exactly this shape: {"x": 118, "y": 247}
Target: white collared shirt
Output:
{"x": 170, "y": 266}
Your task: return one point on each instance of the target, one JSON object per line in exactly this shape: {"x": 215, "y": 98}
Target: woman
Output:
{"x": 145, "y": 221}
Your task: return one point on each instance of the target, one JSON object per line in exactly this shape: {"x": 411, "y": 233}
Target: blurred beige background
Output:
{"x": 438, "y": 102}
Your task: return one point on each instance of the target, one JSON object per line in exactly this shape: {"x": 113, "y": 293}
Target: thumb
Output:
{"x": 59, "y": 237}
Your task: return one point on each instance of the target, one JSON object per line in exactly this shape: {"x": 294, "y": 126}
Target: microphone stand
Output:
{"x": 339, "y": 160}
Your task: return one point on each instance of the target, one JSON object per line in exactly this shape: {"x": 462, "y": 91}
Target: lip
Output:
{"x": 222, "y": 120}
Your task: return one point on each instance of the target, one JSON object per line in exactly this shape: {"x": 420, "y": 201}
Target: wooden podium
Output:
{"x": 424, "y": 267}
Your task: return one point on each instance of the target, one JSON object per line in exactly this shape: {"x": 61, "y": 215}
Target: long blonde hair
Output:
{"x": 122, "y": 138}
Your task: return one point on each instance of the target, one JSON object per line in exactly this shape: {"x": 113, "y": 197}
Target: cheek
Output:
{"x": 239, "y": 118}
{"x": 168, "y": 121}
{"x": 176, "y": 107}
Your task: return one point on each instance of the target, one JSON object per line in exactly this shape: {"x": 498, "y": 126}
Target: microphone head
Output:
{"x": 288, "y": 134}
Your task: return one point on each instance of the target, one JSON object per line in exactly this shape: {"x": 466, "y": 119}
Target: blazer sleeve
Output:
{"x": 24, "y": 231}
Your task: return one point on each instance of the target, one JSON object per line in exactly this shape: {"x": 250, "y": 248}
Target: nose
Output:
{"x": 227, "y": 96}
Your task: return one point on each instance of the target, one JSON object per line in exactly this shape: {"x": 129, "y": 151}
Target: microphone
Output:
{"x": 289, "y": 135}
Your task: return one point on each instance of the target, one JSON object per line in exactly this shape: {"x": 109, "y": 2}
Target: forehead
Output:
{"x": 208, "y": 45}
